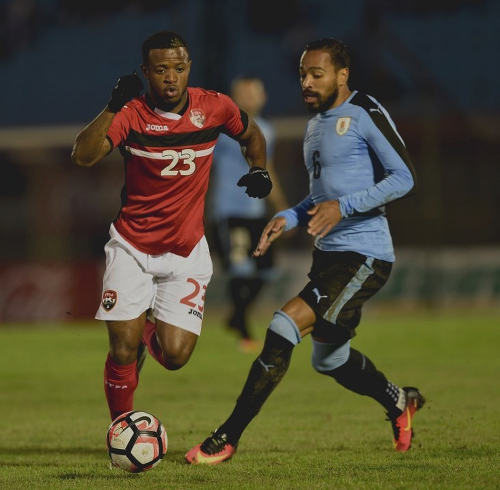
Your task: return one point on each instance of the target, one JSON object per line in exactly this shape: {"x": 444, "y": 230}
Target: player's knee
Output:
{"x": 174, "y": 364}
{"x": 328, "y": 357}
{"x": 284, "y": 326}
{"x": 176, "y": 357}
{"x": 123, "y": 353}
{"x": 124, "y": 340}
{"x": 176, "y": 345}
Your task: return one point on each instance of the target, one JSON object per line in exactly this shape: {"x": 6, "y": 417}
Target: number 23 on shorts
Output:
{"x": 195, "y": 295}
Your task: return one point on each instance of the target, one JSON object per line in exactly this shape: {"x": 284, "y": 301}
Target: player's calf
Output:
{"x": 265, "y": 374}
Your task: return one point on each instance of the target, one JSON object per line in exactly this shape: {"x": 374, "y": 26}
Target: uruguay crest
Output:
{"x": 197, "y": 117}
{"x": 342, "y": 126}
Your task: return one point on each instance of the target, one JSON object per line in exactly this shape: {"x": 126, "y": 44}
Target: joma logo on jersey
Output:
{"x": 342, "y": 126}
{"x": 156, "y": 127}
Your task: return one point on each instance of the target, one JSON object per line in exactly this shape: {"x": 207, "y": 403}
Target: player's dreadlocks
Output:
{"x": 337, "y": 49}
{"x": 162, "y": 40}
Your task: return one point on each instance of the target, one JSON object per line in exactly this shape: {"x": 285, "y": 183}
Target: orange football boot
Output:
{"x": 213, "y": 450}
{"x": 402, "y": 425}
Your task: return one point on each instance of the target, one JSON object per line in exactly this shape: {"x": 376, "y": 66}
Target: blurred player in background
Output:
{"x": 357, "y": 163}
{"x": 239, "y": 219}
{"x": 157, "y": 258}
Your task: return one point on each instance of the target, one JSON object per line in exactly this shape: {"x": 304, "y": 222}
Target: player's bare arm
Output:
{"x": 325, "y": 216}
{"x": 257, "y": 180}
{"x": 272, "y": 231}
{"x": 91, "y": 144}
{"x": 255, "y": 145}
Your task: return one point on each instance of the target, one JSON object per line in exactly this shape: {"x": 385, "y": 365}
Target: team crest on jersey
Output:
{"x": 197, "y": 117}
{"x": 342, "y": 126}
{"x": 109, "y": 299}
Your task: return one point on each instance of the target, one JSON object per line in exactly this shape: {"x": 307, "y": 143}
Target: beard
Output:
{"x": 324, "y": 103}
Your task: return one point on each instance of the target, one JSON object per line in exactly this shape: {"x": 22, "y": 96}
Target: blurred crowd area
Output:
{"x": 59, "y": 58}
{"x": 432, "y": 64}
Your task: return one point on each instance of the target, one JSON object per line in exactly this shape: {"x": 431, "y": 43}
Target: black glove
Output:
{"x": 257, "y": 182}
{"x": 127, "y": 87}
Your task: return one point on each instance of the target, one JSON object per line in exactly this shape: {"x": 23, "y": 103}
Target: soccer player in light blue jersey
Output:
{"x": 238, "y": 218}
{"x": 357, "y": 163}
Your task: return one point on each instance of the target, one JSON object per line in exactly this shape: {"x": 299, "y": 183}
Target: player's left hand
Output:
{"x": 257, "y": 182}
{"x": 270, "y": 233}
{"x": 325, "y": 216}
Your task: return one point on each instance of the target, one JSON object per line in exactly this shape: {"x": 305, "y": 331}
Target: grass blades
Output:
{"x": 311, "y": 433}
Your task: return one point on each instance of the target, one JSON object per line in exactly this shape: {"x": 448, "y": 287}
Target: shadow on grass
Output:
{"x": 173, "y": 457}
{"x": 41, "y": 450}
{"x": 57, "y": 456}
{"x": 91, "y": 475}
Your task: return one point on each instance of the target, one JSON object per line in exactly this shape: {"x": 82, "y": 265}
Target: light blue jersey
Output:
{"x": 353, "y": 153}
{"x": 229, "y": 165}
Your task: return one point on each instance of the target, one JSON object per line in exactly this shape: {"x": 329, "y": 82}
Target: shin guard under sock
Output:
{"x": 360, "y": 375}
{"x": 265, "y": 374}
{"x": 120, "y": 382}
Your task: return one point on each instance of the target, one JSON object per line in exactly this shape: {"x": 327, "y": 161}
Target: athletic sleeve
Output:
{"x": 297, "y": 216}
{"x": 120, "y": 127}
{"x": 399, "y": 177}
{"x": 236, "y": 120}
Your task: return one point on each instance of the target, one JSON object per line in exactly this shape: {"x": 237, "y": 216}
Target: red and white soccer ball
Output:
{"x": 137, "y": 441}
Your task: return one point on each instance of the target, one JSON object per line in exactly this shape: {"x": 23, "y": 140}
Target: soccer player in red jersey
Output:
{"x": 157, "y": 258}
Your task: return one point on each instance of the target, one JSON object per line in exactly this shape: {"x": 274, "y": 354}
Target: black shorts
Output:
{"x": 236, "y": 239}
{"x": 340, "y": 282}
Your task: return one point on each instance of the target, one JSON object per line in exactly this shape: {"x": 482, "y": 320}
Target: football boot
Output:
{"x": 402, "y": 424}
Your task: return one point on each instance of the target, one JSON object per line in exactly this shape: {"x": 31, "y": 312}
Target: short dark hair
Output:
{"x": 338, "y": 51}
{"x": 162, "y": 40}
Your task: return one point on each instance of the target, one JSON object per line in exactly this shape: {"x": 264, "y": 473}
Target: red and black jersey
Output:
{"x": 167, "y": 165}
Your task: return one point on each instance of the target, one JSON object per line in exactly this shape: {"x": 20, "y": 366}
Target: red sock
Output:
{"x": 120, "y": 382}
{"x": 150, "y": 339}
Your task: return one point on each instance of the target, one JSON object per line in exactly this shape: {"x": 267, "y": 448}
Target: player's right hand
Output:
{"x": 325, "y": 216}
{"x": 257, "y": 182}
{"x": 127, "y": 87}
{"x": 271, "y": 232}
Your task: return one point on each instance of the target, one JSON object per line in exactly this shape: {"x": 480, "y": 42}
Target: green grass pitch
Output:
{"x": 311, "y": 433}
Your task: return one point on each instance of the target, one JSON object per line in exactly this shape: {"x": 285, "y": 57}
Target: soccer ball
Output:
{"x": 137, "y": 441}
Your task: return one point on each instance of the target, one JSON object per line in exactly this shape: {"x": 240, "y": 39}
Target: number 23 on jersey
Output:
{"x": 182, "y": 162}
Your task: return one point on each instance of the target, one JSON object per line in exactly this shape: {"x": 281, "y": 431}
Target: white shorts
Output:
{"x": 172, "y": 286}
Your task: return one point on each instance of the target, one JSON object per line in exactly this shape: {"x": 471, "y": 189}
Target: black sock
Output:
{"x": 360, "y": 375}
{"x": 265, "y": 374}
{"x": 243, "y": 291}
